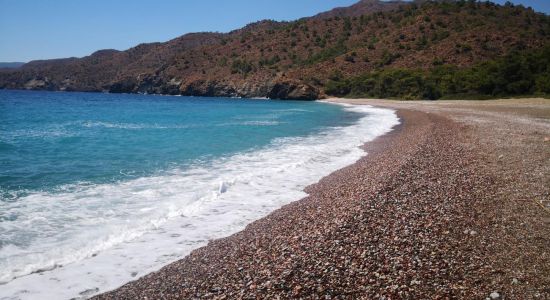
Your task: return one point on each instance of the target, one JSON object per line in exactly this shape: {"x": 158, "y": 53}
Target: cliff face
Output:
{"x": 294, "y": 60}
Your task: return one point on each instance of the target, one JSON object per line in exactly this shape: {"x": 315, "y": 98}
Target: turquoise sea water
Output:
{"x": 100, "y": 189}
{"x": 52, "y": 139}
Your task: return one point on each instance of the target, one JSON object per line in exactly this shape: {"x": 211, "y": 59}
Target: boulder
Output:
{"x": 39, "y": 83}
{"x": 293, "y": 90}
{"x": 127, "y": 85}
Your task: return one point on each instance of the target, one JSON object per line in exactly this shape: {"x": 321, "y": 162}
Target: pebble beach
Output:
{"x": 452, "y": 204}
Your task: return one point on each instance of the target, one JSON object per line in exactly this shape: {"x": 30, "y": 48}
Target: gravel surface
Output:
{"x": 446, "y": 206}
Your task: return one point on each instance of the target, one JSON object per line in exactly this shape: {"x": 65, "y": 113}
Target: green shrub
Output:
{"x": 518, "y": 73}
{"x": 327, "y": 54}
{"x": 241, "y": 66}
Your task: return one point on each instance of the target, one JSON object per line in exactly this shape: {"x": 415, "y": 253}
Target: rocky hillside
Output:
{"x": 298, "y": 59}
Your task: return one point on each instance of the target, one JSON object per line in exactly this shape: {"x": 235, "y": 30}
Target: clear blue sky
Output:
{"x": 41, "y": 29}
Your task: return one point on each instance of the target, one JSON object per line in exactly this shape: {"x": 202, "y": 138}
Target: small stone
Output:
{"x": 296, "y": 291}
{"x": 414, "y": 282}
{"x": 494, "y": 296}
{"x": 473, "y": 232}
{"x": 515, "y": 281}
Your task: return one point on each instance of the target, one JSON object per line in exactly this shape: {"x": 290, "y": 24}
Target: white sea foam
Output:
{"x": 89, "y": 239}
{"x": 91, "y": 124}
{"x": 253, "y": 123}
{"x": 110, "y": 125}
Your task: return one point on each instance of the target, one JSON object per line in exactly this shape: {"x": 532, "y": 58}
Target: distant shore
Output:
{"x": 455, "y": 203}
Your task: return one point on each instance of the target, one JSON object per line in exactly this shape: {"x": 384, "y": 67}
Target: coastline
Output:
{"x": 430, "y": 212}
{"x": 241, "y": 189}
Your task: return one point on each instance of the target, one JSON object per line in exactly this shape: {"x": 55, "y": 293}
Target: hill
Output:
{"x": 11, "y": 65}
{"x": 301, "y": 59}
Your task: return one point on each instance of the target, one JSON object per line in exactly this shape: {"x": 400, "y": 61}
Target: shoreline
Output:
{"x": 429, "y": 212}
{"x": 277, "y": 175}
